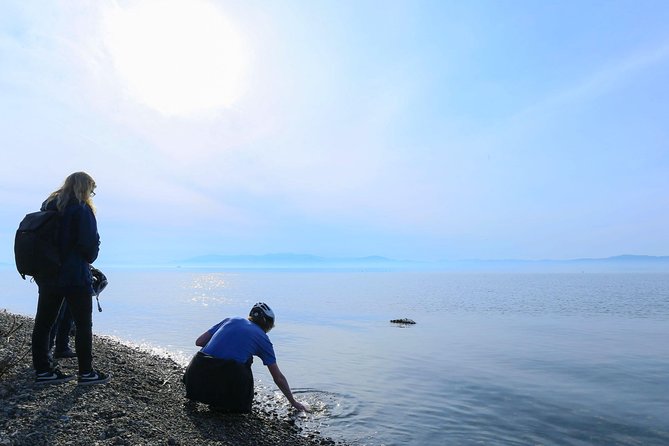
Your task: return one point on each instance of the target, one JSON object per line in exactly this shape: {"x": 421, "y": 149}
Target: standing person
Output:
{"x": 78, "y": 245}
{"x": 220, "y": 373}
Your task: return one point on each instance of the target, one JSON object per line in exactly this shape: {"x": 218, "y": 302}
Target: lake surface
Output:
{"x": 508, "y": 359}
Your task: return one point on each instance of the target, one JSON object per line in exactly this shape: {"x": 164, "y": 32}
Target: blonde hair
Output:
{"x": 79, "y": 185}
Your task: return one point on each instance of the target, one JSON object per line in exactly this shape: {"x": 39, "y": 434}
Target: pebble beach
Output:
{"x": 144, "y": 404}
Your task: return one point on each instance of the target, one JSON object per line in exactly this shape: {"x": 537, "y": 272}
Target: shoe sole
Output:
{"x": 53, "y": 381}
{"x": 94, "y": 381}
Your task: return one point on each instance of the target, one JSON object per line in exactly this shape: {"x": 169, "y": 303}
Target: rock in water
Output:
{"x": 404, "y": 321}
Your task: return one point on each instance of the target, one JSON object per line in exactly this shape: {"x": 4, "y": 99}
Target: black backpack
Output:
{"x": 36, "y": 245}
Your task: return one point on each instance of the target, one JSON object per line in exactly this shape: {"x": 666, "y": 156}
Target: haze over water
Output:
{"x": 512, "y": 359}
{"x": 419, "y": 130}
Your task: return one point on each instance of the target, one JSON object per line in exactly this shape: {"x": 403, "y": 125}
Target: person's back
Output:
{"x": 79, "y": 244}
{"x": 239, "y": 339}
{"x": 79, "y": 251}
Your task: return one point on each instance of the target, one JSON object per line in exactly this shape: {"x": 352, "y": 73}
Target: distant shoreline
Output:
{"x": 311, "y": 263}
{"x": 143, "y": 404}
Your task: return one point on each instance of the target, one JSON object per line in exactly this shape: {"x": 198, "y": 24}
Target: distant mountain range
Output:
{"x": 622, "y": 263}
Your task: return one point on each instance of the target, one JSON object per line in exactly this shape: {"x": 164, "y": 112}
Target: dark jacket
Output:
{"x": 79, "y": 243}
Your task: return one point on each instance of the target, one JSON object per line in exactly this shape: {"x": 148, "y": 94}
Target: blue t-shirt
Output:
{"x": 239, "y": 339}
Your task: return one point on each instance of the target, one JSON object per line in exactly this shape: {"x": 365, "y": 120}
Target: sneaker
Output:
{"x": 54, "y": 376}
{"x": 93, "y": 377}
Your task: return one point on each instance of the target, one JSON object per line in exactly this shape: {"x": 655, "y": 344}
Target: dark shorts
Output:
{"x": 224, "y": 384}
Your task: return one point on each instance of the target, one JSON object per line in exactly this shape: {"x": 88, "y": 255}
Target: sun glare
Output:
{"x": 176, "y": 56}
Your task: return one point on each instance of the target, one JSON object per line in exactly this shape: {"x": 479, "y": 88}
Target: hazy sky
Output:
{"x": 413, "y": 130}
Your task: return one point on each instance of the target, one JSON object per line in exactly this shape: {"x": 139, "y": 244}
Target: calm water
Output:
{"x": 524, "y": 359}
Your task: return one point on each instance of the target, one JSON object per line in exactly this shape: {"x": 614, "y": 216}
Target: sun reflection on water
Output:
{"x": 208, "y": 289}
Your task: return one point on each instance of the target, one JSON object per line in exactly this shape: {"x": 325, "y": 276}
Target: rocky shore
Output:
{"x": 144, "y": 404}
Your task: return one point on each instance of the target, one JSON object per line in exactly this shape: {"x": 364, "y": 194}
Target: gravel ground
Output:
{"x": 144, "y": 404}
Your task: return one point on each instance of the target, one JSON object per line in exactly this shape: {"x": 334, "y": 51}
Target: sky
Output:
{"x": 417, "y": 130}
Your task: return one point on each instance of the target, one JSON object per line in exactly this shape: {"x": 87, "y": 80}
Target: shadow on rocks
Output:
{"x": 39, "y": 414}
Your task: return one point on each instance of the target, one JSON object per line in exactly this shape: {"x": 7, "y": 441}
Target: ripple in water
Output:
{"x": 327, "y": 410}
{"x": 325, "y": 405}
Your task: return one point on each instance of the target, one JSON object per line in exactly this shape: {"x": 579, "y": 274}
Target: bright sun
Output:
{"x": 176, "y": 56}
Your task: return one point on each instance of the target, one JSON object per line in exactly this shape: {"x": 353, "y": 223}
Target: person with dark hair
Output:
{"x": 78, "y": 247}
{"x": 220, "y": 373}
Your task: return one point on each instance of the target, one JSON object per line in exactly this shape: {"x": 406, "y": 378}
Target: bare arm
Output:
{"x": 203, "y": 339}
{"x": 282, "y": 383}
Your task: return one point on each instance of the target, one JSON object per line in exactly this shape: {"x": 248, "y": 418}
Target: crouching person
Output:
{"x": 220, "y": 373}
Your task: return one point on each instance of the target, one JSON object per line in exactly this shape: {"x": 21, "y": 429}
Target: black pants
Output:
{"x": 48, "y": 306}
{"x": 61, "y": 330}
{"x": 224, "y": 384}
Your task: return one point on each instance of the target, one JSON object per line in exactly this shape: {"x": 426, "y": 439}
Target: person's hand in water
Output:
{"x": 301, "y": 407}
{"x": 281, "y": 381}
